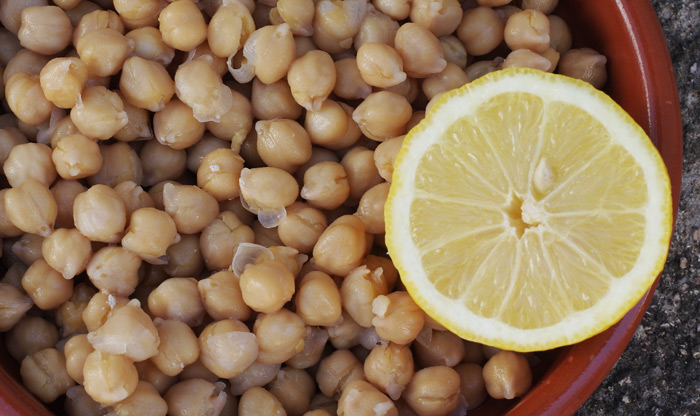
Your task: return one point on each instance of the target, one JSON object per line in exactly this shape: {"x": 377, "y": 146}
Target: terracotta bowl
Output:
{"x": 641, "y": 80}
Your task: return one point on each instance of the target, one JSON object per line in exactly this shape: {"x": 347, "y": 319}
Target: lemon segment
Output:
{"x": 528, "y": 211}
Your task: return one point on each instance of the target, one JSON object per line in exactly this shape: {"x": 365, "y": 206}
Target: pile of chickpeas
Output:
{"x": 192, "y": 209}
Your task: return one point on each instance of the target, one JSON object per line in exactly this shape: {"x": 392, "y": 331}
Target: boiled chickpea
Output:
{"x": 302, "y": 227}
{"x": 283, "y": 143}
{"x": 199, "y": 86}
{"x": 28, "y": 248}
{"x": 148, "y": 44}
{"x": 258, "y": 402}
{"x": 99, "y": 114}
{"x": 268, "y": 188}
{"x": 385, "y": 155}
{"x": 234, "y": 125}
{"x": 528, "y": 29}
{"x": 69, "y": 316}
{"x": 280, "y": 336}
{"x": 195, "y": 396}
{"x": 67, "y": 251}
{"x": 397, "y": 318}
{"x": 177, "y": 348}
{"x": 14, "y": 305}
{"x": 332, "y": 125}
{"x": 191, "y": 208}
{"x": 267, "y": 286}
{"x": 64, "y": 193}
{"x": 362, "y": 174}
{"x": 63, "y": 128}
{"x": 397, "y": 9}
{"x": 268, "y": 54}
{"x": 325, "y": 185}
{"x": 433, "y": 391}
{"x": 109, "y": 378}
{"x": 294, "y": 389}
{"x": 420, "y": 50}
{"x": 177, "y": 298}
{"x": 545, "y": 6}
{"x": 222, "y": 297}
{"x": 120, "y": 163}
{"x": 525, "y": 58}
{"x": 314, "y": 346}
{"x": 380, "y": 65}
{"x": 99, "y": 308}
{"x": 44, "y": 374}
{"x": 229, "y": 28}
{"x": 176, "y": 126}
{"x": 133, "y": 196}
{"x": 507, "y": 375}
{"x": 383, "y": 114}
{"x": 26, "y": 99}
{"x": 481, "y": 30}
{"x": 481, "y": 68}
{"x": 196, "y": 153}
{"x": 97, "y": 19}
{"x": 197, "y": 370}
{"x": 76, "y": 351}
{"x": 144, "y": 400}
{"x": 341, "y": 246}
{"x": 256, "y": 375}
{"x": 182, "y": 25}
{"x": 371, "y": 208}
{"x": 29, "y": 335}
{"x": 100, "y": 214}
{"x": 311, "y": 79}
{"x": 441, "y": 18}
{"x": 31, "y": 207}
{"x": 472, "y": 384}
{"x": 30, "y": 161}
{"x": 349, "y": 83}
{"x": 274, "y": 100}
{"x": 146, "y": 84}
{"x": 318, "y": 299}
{"x": 220, "y": 239}
{"x": 45, "y": 29}
{"x": 161, "y": 162}
{"x": 62, "y": 79}
{"x": 337, "y": 371}
{"x": 76, "y": 156}
{"x": 360, "y": 397}
{"x": 454, "y": 50}
{"x": 376, "y": 27}
{"x": 227, "y": 347}
{"x": 104, "y": 51}
{"x": 585, "y": 64}
{"x": 114, "y": 269}
{"x": 559, "y": 34}
{"x": 150, "y": 233}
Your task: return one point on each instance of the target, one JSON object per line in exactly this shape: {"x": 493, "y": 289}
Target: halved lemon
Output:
{"x": 528, "y": 211}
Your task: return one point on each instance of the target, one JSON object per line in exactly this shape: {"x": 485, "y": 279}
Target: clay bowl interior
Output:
{"x": 641, "y": 81}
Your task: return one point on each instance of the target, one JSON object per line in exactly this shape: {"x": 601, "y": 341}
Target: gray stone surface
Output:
{"x": 659, "y": 372}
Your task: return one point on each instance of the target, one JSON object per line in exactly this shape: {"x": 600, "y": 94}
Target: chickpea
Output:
{"x": 234, "y": 125}
{"x": 176, "y": 126}
{"x": 294, "y": 389}
{"x": 63, "y": 128}
{"x": 64, "y": 193}
{"x": 507, "y": 375}
{"x": 220, "y": 239}
{"x": 358, "y": 290}
{"x": 97, "y": 19}
{"x": 99, "y": 114}
{"x": 559, "y": 34}
{"x": 420, "y": 50}
{"x": 99, "y": 308}
{"x": 472, "y": 384}
{"x": 26, "y": 99}
{"x": 360, "y": 397}
{"x": 258, "y": 402}
{"x": 31, "y": 207}
{"x": 584, "y": 64}
{"x": 45, "y": 29}
{"x": 191, "y": 208}
{"x": 396, "y": 317}
{"x": 148, "y": 44}
{"x": 283, "y": 143}
{"x": 9, "y": 138}
{"x": 332, "y": 125}
{"x": 119, "y": 163}
{"x": 144, "y": 400}
{"x": 492, "y": 3}
{"x": 455, "y": 52}
{"x": 441, "y": 18}
{"x": 545, "y": 6}
{"x": 177, "y": 348}
{"x": 318, "y": 299}
{"x": 397, "y": 10}
{"x": 45, "y": 286}
{"x": 161, "y": 162}
{"x": 28, "y": 248}
{"x": 362, "y": 174}
{"x": 326, "y": 185}
{"x": 197, "y": 370}
{"x": 324, "y": 404}
{"x": 109, "y": 378}
{"x": 450, "y": 78}
{"x": 256, "y": 375}
{"x": 100, "y": 214}
{"x": 280, "y": 336}
{"x": 13, "y": 275}
{"x": 380, "y": 65}
{"x": 7, "y": 228}
{"x": 268, "y": 54}
{"x": 385, "y": 155}
{"x": 78, "y": 402}
{"x": 199, "y": 86}
{"x": 274, "y": 100}
{"x": 146, "y": 84}
{"x": 481, "y": 30}
{"x": 62, "y": 79}
{"x": 196, "y": 153}
{"x": 267, "y": 286}
{"x": 114, "y": 269}
{"x": 104, "y": 51}
{"x": 302, "y": 227}
{"x": 69, "y": 316}
{"x": 376, "y": 27}
{"x": 31, "y": 334}
{"x": 383, "y": 115}
{"x": 349, "y": 83}
{"x": 481, "y": 68}
{"x": 230, "y": 26}
{"x": 371, "y": 208}
{"x": 128, "y": 331}
{"x": 528, "y": 29}
{"x": 177, "y": 298}
{"x": 433, "y": 391}
{"x": 26, "y": 61}
{"x": 314, "y": 346}
{"x": 44, "y": 374}
{"x": 389, "y": 368}
{"x": 311, "y": 79}
{"x": 13, "y": 304}
{"x": 195, "y": 396}
{"x": 222, "y": 297}
{"x": 267, "y": 188}
{"x": 341, "y": 246}
{"x": 150, "y": 233}
{"x": 526, "y": 58}
{"x": 182, "y": 26}
{"x": 9, "y": 46}
{"x": 29, "y": 161}
{"x": 227, "y": 347}
{"x": 76, "y": 351}
{"x": 67, "y": 251}
{"x": 337, "y": 371}
{"x": 76, "y": 156}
